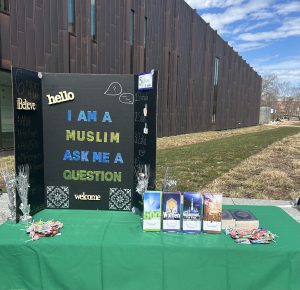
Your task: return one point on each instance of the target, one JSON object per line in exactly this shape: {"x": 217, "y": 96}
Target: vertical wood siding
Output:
{"x": 180, "y": 44}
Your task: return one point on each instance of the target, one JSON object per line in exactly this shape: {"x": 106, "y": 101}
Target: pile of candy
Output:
{"x": 44, "y": 229}
{"x": 254, "y": 236}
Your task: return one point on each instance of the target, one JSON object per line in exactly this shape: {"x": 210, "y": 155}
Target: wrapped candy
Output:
{"x": 254, "y": 236}
{"x": 44, "y": 229}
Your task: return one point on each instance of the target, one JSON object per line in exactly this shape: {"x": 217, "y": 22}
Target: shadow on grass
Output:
{"x": 197, "y": 165}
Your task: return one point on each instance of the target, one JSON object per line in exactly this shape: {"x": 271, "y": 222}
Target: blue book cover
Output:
{"x": 192, "y": 212}
{"x": 152, "y": 211}
{"x": 171, "y": 211}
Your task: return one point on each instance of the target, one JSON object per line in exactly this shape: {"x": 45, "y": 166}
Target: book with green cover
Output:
{"x": 152, "y": 211}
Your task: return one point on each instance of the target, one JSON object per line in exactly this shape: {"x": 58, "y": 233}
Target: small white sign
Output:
{"x": 212, "y": 226}
{"x": 190, "y": 225}
{"x": 145, "y": 81}
{"x": 169, "y": 225}
{"x": 153, "y": 224}
{"x": 145, "y": 129}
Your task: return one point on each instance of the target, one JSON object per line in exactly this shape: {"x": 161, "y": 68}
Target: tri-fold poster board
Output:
{"x": 86, "y": 138}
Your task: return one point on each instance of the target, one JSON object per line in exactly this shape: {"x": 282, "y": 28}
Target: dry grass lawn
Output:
{"x": 10, "y": 162}
{"x": 272, "y": 173}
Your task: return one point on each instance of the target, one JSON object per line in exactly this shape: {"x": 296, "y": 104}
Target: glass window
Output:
{"x": 132, "y": 28}
{"x": 71, "y": 16}
{"x": 131, "y": 40}
{"x": 93, "y": 19}
{"x": 215, "y": 96}
{"x": 145, "y": 31}
{"x": 6, "y": 111}
{"x": 216, "y": 75}
{"x": 4, "y": 5}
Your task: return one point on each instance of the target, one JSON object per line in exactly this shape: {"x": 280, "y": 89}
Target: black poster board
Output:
{"x": 29, "y": 133}
{"x": 145, "y": 134}
{"x": 92, "y": 142}
{"x": 87, "y": 141}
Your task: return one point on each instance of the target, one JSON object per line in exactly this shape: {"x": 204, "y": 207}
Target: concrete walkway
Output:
{"x": 284, "y": 204}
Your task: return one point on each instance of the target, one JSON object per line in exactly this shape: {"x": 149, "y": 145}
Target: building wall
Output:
{"x": 6, "y": 111}
{"x": 180, "y": 44}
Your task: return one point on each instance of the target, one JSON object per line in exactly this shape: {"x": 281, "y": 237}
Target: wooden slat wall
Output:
{"x": 180, "y": 44}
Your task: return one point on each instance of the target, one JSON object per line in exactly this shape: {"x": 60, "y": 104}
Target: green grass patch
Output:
{"x": 195, "y": 166}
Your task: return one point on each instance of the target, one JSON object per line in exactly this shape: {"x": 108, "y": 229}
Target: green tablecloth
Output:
{"x": 109, "y": 250}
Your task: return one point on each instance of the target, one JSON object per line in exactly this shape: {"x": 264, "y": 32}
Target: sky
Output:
{"x": 266, "y": 33}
